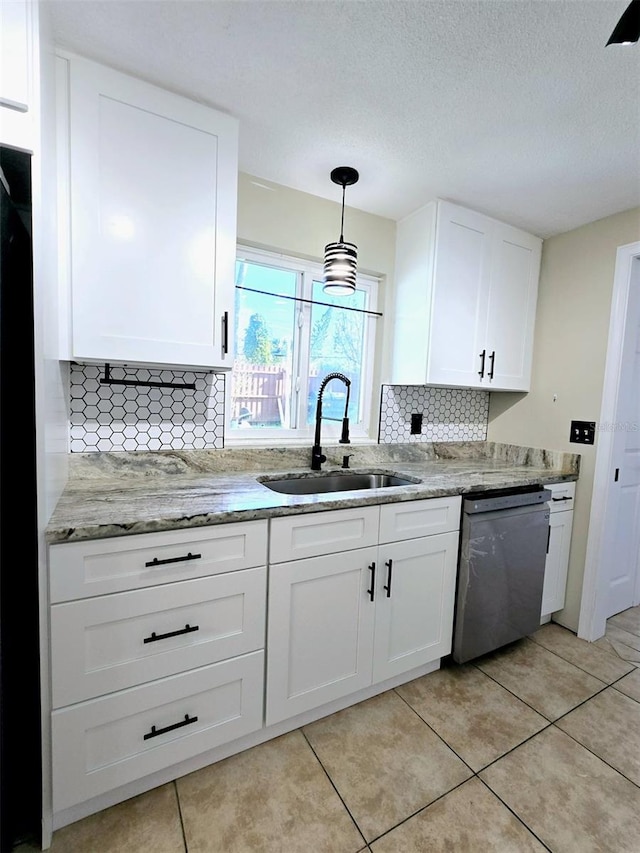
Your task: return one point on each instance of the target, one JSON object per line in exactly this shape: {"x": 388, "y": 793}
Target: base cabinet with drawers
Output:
{"x": 157, "y": 652}
{"x": 160, "y": 645}
{"x": 557, "y": 563}
{"x": 355, "y": 616}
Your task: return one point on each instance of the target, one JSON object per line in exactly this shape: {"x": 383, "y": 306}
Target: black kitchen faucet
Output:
{"x": 317, "y": 456}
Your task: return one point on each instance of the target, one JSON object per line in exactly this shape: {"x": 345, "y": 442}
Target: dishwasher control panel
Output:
{"x": 505, "y": 499}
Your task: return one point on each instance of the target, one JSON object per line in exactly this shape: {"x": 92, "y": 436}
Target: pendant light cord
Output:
{"x": 344, "y": 186}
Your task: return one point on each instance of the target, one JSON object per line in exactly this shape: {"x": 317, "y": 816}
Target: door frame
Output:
{"x": 593, "y": 620}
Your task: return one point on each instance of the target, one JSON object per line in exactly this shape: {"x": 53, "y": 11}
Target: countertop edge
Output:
{"x": 55, "y": 535}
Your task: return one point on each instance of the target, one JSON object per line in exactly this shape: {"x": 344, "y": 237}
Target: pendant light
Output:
{"x": 341, "y": 259}
{"x": 627, "y": 30}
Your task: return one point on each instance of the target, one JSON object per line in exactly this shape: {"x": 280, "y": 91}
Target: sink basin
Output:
{"x": 322, "y": 483}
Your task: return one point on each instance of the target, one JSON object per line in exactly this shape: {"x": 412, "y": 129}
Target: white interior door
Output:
{"x": 622, "y": 525}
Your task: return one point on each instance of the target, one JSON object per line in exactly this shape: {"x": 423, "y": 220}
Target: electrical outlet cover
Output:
{"x": 416, "y": 423}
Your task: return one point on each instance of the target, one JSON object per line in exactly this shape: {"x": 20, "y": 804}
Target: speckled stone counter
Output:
{"x": 115, "y": 494}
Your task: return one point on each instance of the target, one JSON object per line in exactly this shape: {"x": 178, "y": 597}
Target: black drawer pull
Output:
{"x": 562, "y": 499}
{"x": 389, "y": 565}
{"x": 483, "y": 356}
{"x": 372, "y": 591}
{"x": 157, "y": 732}
{"x": 492, "y": 359}
{"x": 157, "y": 562}
{"x": 186, "y": 630}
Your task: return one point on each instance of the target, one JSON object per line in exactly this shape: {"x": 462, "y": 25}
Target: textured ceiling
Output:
{"x": 512, "y": 107}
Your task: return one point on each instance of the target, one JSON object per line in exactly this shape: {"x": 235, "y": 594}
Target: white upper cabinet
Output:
{"x": 466, "y": 291}
{"x": 152, "y": 192}
{"x": 17, "y": 73}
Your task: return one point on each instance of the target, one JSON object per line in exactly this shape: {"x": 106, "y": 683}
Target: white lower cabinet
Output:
{"x": 320, "y": 639}
{"x": 557, "y": 563}
{"x": 157, "y": 652}
{"x": 107, "y": 742}
{"x": 414, "y": 603}
{"x": 158, "y": 640}
{"x": 341, "y": 622}
{"x": 108, "y": 643}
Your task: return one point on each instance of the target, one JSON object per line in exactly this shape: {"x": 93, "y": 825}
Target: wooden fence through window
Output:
{"x": 259, "y": 394}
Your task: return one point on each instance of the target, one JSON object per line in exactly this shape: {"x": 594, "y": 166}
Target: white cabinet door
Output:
{"x": 515, "y": 270}
{"x": 414, "y": 603}
{"x": 320, "y": 635}
{"x": 459, "y": 308}
{"x": 16, "y": 73}
{"x": 466, "y": 293}
{"x": 153, "y": 223}
{"x": 557, "y": 563}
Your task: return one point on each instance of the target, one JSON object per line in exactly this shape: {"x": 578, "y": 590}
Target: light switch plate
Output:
{"x": 583, "y": 432}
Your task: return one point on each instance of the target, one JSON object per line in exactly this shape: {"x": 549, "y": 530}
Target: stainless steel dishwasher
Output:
{"x": 503, "y": 547}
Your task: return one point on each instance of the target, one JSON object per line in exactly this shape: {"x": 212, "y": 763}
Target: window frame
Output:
{"x": 309, "y": 271}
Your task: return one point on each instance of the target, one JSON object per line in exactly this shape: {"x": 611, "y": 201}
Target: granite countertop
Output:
{"x": 120, "y": 493}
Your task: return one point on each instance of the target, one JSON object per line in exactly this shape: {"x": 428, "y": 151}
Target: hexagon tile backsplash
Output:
{"x": 119, "y": 417}
{"x": 448, "y": 414}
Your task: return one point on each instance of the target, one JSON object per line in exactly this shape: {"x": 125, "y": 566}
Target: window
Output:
{"x": 289, "y": 335}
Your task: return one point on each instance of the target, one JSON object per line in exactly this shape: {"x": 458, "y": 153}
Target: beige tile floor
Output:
{"x": 535, "y": 747}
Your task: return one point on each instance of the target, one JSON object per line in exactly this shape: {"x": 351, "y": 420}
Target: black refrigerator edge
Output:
{"x": 20, "y": 737}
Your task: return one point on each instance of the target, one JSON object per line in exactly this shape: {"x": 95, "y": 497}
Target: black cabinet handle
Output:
{"x": 389, "y": 565}
{"x": 565, "y": 498}
{"x": 492, "y": 359}
{"x": 186, "y": 630}
{"x": 157, "y": 732}
{"x": 157, "y": 562}
{"x": 225, "y": 333}
{"x": 372, "y": 569}
{"x": 483, "y": 356}
{"x": 548, "y": 538}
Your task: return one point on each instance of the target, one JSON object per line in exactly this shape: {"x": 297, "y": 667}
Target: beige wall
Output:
{"x": 572, "y": 326}
{"x": 271, "y": 216}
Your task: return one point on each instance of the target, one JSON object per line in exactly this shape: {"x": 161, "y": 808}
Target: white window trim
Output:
{"x": 362, "y": 433}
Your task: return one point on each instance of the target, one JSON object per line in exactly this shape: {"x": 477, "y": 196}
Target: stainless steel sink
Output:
{"x": 321, "y": 483}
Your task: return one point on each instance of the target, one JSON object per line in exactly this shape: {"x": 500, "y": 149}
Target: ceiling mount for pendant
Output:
{"x": 345, "y": 176}
{"x": 340, "y": 259}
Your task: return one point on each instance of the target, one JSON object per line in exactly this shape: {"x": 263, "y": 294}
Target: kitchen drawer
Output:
{"x": 314, "y": 534}
{"x": 414, "y": 519}
{"x": 100, "y": 645}
{"x": 100, "y": 566}
{"x": 563, "y": 496}
{"x": 102, "y": 744}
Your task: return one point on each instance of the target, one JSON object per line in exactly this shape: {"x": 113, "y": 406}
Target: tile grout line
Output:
{"x": 477, "y": 772}
{"x": 422, "y": 720}
{"x": 331, "y": 782}
{"x": 617, "y": 689}
{"x": 566, "y": 660}
{"x": 599, "y": 757}
{"x": 474, "y": 776}
{"x": 421, "y": 809}
{"x": 604, "y": 687}
{"x": 515, "y": 814}
{"x": 184, "y": 834}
